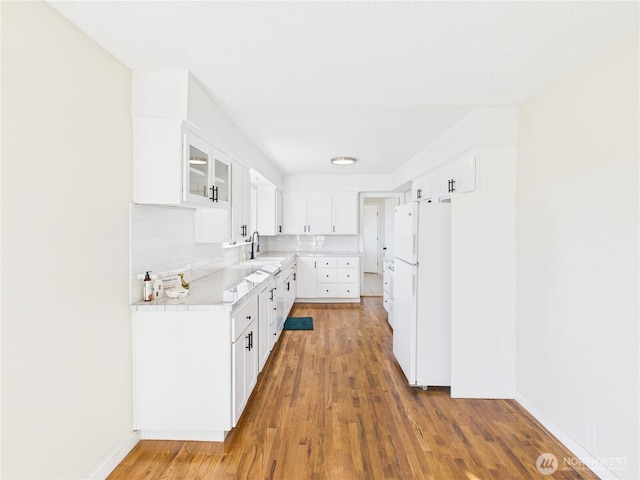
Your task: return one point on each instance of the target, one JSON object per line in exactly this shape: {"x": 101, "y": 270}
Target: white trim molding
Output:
{"x": 109, "y": 465}
{"x": 587, "y": 458}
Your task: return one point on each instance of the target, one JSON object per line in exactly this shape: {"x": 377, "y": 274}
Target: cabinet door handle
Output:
{"x": 334, "y": 229}
{"x": 214, "y": 194}
{"x": 453, "y": 185}
{"x": 419, "y": 193}
{"x": 279, "y": 228}
{"x": 309, "y": 230}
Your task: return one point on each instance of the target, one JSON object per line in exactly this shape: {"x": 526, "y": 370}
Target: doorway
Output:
{"x": 376, "y": 238}
{"x": 371, "y": 238}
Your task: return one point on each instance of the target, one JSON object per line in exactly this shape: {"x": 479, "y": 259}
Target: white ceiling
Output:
{"x": 310, "y": 80}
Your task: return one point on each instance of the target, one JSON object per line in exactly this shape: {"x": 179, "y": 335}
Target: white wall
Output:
{"x": 66, "y": 187}
{"x": 207, "y": 115}
{"x": 577, "y": 256}
{"x": 336, "y": 183}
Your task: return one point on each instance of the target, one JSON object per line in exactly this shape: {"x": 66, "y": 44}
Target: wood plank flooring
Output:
{"x": 332, "y": 403}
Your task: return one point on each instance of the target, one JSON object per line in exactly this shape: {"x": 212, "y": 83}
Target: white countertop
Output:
{"x": 231, "y": 286}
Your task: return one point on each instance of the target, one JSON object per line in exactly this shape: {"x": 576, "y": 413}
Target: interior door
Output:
{"x": 370, "y": 239}
{"x": 389, "y": 226}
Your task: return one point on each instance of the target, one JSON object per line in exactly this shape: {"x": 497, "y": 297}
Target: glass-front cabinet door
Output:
{"x": 221, "y": 170}
{"x": 198, "y": 172}
{"x": 206, "y": 172}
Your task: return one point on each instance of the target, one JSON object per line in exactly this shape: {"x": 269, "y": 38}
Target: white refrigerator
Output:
{"x": 422, "y": 293}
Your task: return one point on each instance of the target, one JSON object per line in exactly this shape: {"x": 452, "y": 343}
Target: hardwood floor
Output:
{"x": 332, "y": 403}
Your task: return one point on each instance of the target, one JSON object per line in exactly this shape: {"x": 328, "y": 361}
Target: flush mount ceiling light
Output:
{"x": 343, "y": 160}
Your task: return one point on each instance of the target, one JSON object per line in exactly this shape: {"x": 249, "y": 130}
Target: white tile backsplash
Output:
{"x": 312, "y": 243}
{"x": 162, "y": 240}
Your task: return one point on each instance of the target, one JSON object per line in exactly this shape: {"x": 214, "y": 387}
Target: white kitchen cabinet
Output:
{"x": 335, "y": 278}
{"x": 245, "y": 355}
{"x": 294, "y": 213}
{"x": 327, "y": 277}
{"x": 457, "y": 176}
{"x": 268, "y": 211}
{"x": 348, "y": 277}
{"x": 211, "y": 225}
{"x": 387, "y": 288}
{"x": 266, "y": 323}
{"x": 183, "y": 375}
{"x": 194, "y": 371}
{"x": 422, "y": 188}
{"x": 174, "y": 163}
{"x": 290, "y": 285}
{"x": 320, "y": 213}
{"x": 240, "y": 202}
{"x": 344, "y": 213}
{"x": 306, "y": 277}
{"x": 306, "y": 213}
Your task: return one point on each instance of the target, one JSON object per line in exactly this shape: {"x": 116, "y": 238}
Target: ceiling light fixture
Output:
{"x": 343, "y": 160}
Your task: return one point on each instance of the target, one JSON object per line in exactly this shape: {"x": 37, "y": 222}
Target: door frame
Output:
{"x": 378, "y": 242}
{"x": 361, "y": 198}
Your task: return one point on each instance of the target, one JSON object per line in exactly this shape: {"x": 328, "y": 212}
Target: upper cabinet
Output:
{"x": 174, "y": 164}
{"x": 344, "y": 213}
{"x": 422, "y": 188}
{"x": 206, "y": 172}
{"x": 457, "y": 176}
{"x": 306, "y": 213}
{"x": 320, "y": 213}
{"x": 268, "y": 213}
{"x": 453, "y": 177}
{"x": 240, "y": 202}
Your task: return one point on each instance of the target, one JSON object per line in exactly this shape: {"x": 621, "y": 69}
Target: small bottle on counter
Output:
{"x": 148, "y": 288}
{"x": 157, "y": 288}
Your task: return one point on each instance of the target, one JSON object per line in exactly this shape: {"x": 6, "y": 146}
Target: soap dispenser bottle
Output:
{"x": 148, "y": 288}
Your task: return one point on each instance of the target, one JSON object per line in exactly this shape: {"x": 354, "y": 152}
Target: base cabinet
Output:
{"x": 329, "y": 279}
{"x": 387, "y": 287}
{"x": 193, "y": 371}
{"x": 266, "y": 319}
{"x": 182, "y": 375}
{"x": 245, "y": 357}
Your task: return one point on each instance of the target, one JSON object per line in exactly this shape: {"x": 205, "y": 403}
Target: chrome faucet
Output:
{"x": 253, "y": 242}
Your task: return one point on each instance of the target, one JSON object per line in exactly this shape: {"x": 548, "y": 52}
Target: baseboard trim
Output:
{"x": 184, "y": 435}
{"x": 567, "y": 440}
{"x": 103, "y": 471}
